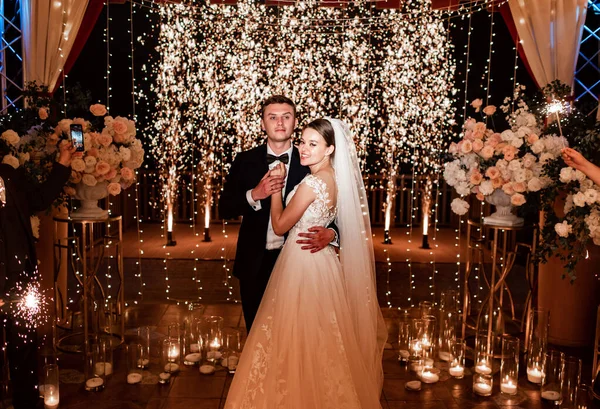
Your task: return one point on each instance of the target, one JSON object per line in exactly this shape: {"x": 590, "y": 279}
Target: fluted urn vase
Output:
{"x": 89, "y": 196}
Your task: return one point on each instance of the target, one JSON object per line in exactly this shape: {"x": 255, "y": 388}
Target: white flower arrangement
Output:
{"x": 485, "y": 160}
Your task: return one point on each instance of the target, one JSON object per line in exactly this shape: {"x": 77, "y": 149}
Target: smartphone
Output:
{"x": 77, "y": 137}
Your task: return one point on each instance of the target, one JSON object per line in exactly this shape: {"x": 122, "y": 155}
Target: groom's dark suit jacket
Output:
{"x": 247, "y": 170}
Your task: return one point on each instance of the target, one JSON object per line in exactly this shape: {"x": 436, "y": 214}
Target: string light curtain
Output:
{"x": 550, "y": 33}
{"x": 49, "y": 30}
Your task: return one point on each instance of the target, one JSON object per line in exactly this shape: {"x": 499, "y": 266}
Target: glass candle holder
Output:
{"x": 449, "y": 300}
{"x": 143, "y": 338}
{"x": 47, "y": 356}
{"x": 51, "y": 386}
{"x": 583, "y": 398}
{"x": 134, "y": 371}
{"x": 169, "y": 364}
{"x": 429, "y": 335}
{"x": 191, "y": 344}
{"x": 214, "y": 340}
{"x": 231, "y": 349}
{"x": 483, "y": 384}
{"x": 426, "y": 308}
{"x": 509, "y": 365}
{"x": 457, "y": 363}
{"x": 416, "y": 354}
{"x": 536, "y": 343}
{"x": 404, "y": 337}
{"x": 95, "y": 378}
{"x": 105, "y": 367}
{"x": 174, "y": 330}
{"x": 571, "y": 380}
{"x": 552, "y": 379}
{"x": 428, "y": 373}
{"x": 447, "y": 335}
{"x": 484, "y": 353}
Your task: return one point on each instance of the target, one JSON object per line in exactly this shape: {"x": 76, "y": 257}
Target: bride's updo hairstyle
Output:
{"x": 324, "y": 128}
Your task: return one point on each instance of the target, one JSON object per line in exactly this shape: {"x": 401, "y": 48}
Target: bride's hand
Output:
{"x": 279, "y": 171}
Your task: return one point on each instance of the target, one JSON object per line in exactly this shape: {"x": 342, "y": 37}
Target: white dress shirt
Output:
{"x": 274, "y": 241}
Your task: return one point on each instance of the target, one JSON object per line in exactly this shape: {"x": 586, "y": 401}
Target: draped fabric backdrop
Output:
{"x": 550, "y": 32}
{"x": 49, "y": 30}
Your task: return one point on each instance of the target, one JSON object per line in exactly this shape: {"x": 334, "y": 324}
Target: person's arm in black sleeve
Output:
{"x": 233, "y": 202}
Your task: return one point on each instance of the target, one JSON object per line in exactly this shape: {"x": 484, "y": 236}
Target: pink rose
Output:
{"x": 532, "y": 138}
{"x": 478, "y": 135}
{"x": 127, "y": 174}
{"x": 497, "y": 183}
{"x": 119, "y": 127}
{"x": 104, "y": 139}
{"x": 520, "y": 187}
{"x": 102, "y": 168}
{"x": 98, "y": 110}
{"x": 113, "y": 189}
{"x": 509, "y": 152}
{"x": 470, "y": 123}
{"x": 477, "y": 145}
{"x": 479, "y": 127}
{"x": 477, "y": 103}
{"x": 75, "y": 177}
{"x": 517, "y": 199}
{"x": 487, "y": 152}
{"x": 480, "y": 197}
{"x": 469, "y": 135}
{"x": 111, "y": 174}
{"x": 119, "y": 138}
{"x": 69, "y": 190}
{"x": 508, "y": 189}
{"x": 92, "y": 152}
{"x": 489, "y": 110}
{"x": 492, "y": 172}
{"x": 466, "y": 147}
{"x": 43, "y": 113}
{"x": 453, "y": 149}
{"x": 494, "y": 140}
{"x": 476, "y": 178}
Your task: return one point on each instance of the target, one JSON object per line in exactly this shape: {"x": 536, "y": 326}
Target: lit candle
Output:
{"x": 215, "y": 344}
{"x": 207, "y": 369}
{"x": 483, "y": 368}
{"x": 426, "y": 343}
{"x": 445, "y": 356}
{"x": 551, "y": 395}
{"x": 213, "y": 355}
{"x": 508, "y": 387}
{"x": 173, "y": 353}
{"x": 133, "y": 378}
{"x": 171, "y": 367}
{"x": 534, "y": 375}
{"x": 482, "y": 389}
{"x": 404, "y": 354}
{"x": 457, "y": 371}
{"x": 103, "y": 368}
{"x": 164, "y": 377}
{"x": 94, "y": 383}
{"x": 429, "y": 377}
{"x": 51, "y": 401}
{"x": 142, "y": 363}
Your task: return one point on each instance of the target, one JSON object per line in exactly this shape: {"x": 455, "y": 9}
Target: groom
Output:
{"x": 247, "y": 192}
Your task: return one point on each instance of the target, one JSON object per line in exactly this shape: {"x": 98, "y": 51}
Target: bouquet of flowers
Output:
{"x": 111, "y": 155}
{"x": 511, "y": 161}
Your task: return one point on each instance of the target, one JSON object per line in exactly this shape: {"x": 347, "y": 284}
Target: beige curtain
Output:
{"x": 550, "y": 31}
{"x": 49, "y": 31}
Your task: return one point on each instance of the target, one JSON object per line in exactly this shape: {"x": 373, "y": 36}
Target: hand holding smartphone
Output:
{"x": 77, "y": 137}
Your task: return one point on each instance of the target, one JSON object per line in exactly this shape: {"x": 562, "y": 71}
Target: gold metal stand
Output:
{"x": 86, "y": 252}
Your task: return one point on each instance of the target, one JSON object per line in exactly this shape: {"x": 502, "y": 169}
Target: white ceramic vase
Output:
{"x": 503, "y": 216}
{"x": 89, "y": 196}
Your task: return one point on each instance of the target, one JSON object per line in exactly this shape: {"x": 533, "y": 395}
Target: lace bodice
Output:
{"x": 319, "y": 212}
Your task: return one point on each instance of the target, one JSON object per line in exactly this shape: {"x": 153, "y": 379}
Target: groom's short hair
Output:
{"x": 276, "y": 99}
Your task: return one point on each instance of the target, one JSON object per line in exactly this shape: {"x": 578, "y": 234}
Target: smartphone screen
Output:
{"x": 77, "y": 137}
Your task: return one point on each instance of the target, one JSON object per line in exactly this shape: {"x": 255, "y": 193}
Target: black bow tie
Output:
{"x": 283, "y": 158}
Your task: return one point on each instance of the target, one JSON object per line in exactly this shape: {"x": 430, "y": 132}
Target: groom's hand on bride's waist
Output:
{"x": 316, "y": 239}
{"x": 268, "y": 185}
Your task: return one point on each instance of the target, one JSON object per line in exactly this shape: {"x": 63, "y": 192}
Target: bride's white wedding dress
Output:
{"x": 303, "y": 351}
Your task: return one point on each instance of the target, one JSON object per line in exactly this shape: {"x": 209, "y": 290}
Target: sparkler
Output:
{"x": 30, "y": 307}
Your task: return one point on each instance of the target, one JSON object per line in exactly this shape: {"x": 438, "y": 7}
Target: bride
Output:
{"x": 318, "y": 337}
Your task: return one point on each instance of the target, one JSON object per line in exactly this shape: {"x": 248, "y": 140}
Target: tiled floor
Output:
{"x": 191, "y": 390}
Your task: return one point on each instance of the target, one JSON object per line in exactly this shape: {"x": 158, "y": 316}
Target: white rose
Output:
{"x": 78, "y": 164}
{"x": 11, "y": 160}
{"x": 579, "y": 175}
{"x": 514, "y": 165}
{"x": 11, "y": 137}
{"x": 90, "y": 161}
{"x": 501, "y": 164}
{"x": 586, "y": 184}
{"x": 125, "y": 153}
{"x": 579, "y": 199}
{"x": 459, "y": 206}
{"x": 462, "y": 188}
{"x": 538, "y": 147}
{"x": 89, "y": 180}
{"x": 591, "y": 195}
{"x": 486, "y": 187}
{"x": 507, "y": 135}
{"x": 545, "y": 157}
{"x": 517, "y": 142}
{"x": 568, "y": 204}
{"x": 566, "y": 175}
{"x": 520, "y": 176}
{"x": 113, "y": 189}
{"x": 24, "y": 157}
{"x": 534, "y": 185}
{"x": 563, "y": 229}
